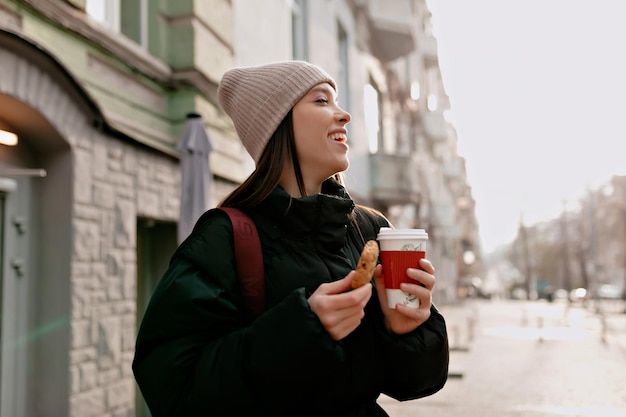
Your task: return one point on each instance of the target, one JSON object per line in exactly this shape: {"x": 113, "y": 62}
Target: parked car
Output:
{"x": 609, "y": 292}
{"x": 558, "y": 295}
{"x": 578, "y": 294}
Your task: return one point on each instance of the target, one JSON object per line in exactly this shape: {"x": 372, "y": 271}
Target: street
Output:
{"x": 529, "y": 359}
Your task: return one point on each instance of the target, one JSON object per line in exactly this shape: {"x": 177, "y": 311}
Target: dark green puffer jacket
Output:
{"x": 197, "y": 356}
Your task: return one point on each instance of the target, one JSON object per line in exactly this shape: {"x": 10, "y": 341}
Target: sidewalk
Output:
{"x": 527, "y": 359}
{"x": 612, "y": 317}
{"x": 462, "y": 323}
{"x": 609, "y": 316}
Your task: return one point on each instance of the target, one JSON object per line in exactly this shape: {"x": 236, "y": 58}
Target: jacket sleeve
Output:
{"x": 195, "y": 354}
{"x": 416, "y": 364}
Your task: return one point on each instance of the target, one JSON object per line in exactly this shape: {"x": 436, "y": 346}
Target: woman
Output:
{"x": 320, "y": 348}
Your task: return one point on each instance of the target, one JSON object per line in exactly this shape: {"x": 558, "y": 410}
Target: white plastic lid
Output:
{"x": 391, "y": 233}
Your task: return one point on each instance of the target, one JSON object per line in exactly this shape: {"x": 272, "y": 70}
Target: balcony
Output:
{"x": 435, "y": 126}
{"x": 453, "y": 168}
{"x": 391, "y": 29}
{"x": 427, "y": 47}
{"x": 443, "y": 214}
{"x": 394, "y": 179}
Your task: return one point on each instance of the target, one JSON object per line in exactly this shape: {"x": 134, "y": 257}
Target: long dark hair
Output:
{"x": 280, "y": 151}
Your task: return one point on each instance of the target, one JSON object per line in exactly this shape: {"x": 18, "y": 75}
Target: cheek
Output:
{"x": 307, "y": 137}
{"x": 308, "y": 153}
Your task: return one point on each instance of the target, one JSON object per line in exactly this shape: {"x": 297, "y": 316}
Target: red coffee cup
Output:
{"x": 400, "y": 249}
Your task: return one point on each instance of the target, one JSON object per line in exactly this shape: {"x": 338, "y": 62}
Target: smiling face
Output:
{"x": 319, "y": 126}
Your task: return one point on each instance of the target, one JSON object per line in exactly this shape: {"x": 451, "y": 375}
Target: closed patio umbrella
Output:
{"x": 194, "y": 147}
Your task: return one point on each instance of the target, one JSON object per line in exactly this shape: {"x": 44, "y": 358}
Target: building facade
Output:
{"x": 403, "y": 151}
{"x": 97, "y": 93}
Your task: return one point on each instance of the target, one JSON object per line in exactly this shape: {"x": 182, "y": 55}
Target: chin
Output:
{"x": 342, "y": 165}
{"x": 339, "y": 170}
{"x": 336, "y": 167}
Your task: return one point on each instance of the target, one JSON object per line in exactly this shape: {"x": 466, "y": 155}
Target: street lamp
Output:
{"x": 8, "y": 138}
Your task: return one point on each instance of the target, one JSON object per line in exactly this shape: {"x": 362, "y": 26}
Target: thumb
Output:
{"x": 380, "y": 286}
{"x": 378, "y": 278}
{"x": 339, "y": 286}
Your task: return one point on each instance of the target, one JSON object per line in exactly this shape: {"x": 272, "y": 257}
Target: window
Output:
{"x": 107, "y": 12}
{"x": 432, "y": 98}
{"x": 344, "y": 69}
{"x": 415, "y": 90}
{"x": 432, "y": 102}
{"x": 299, "y": 41}
{"x": 129, "y": 17}
{"x": 373, "y": 116}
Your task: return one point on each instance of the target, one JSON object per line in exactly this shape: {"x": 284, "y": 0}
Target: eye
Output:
{"x": 322, "y": 100}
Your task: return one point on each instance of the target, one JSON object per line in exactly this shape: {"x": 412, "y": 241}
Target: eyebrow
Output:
{"x": 325, "y": 89}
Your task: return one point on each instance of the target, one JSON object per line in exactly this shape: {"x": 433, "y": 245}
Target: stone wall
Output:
{"x": 118, "y": 183}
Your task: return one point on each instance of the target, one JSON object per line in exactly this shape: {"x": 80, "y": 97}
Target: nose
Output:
{"x": 343, "y": 116}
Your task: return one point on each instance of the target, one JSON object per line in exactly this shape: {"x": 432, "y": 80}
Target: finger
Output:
{"x": 337, "y": 287}
{"x": 425, "y": 279}
{"x": 347, "y": 302}
{"x": 347, "y": 317}
{"x": 357, "y": 297}
{"x": 380, "y": 285}
{"x": 418, "y": 290}
{"x": 342, "y": 313}
{"x": 378, "y": 278}
{"x": 420, "y": 314}
{"x": 427, "y": 266}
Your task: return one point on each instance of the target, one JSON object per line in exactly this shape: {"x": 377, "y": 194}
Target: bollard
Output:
{"x": 455, "y": 346}
{"x": 524, "y": 317}
{"x": 603, "y": 328}
{"x": 540, "y": 327}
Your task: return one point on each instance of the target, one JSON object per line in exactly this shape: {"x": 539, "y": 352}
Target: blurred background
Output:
{"x": 493, "y": 125}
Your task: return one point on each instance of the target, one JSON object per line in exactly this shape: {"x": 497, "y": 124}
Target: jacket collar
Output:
{"x": 322, "y": 217}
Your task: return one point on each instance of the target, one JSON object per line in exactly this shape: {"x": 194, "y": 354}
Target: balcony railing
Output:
{"x": 394, "y": 179}
{"x": 443, "y": 214}
{"x": 392, "y": 29}
{"x": 453, "y": 168}
{"x": 435, "y": 126}
{"x": 427, "y": 47}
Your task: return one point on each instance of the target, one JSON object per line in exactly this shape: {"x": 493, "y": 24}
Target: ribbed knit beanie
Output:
{"x": 258, "y": 98}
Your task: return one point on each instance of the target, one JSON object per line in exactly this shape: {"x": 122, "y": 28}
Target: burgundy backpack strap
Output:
{"x": 249, "y": 259}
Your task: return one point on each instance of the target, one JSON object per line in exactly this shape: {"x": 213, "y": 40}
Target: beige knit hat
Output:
{"x": 258, "y": 98}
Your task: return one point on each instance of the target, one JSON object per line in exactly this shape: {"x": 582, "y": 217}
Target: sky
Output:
{"x": 537, "y": 91}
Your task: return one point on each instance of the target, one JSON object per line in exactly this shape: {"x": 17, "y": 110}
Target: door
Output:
{"x": 14, "y": 301}
{"x": 156, "y": 243}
